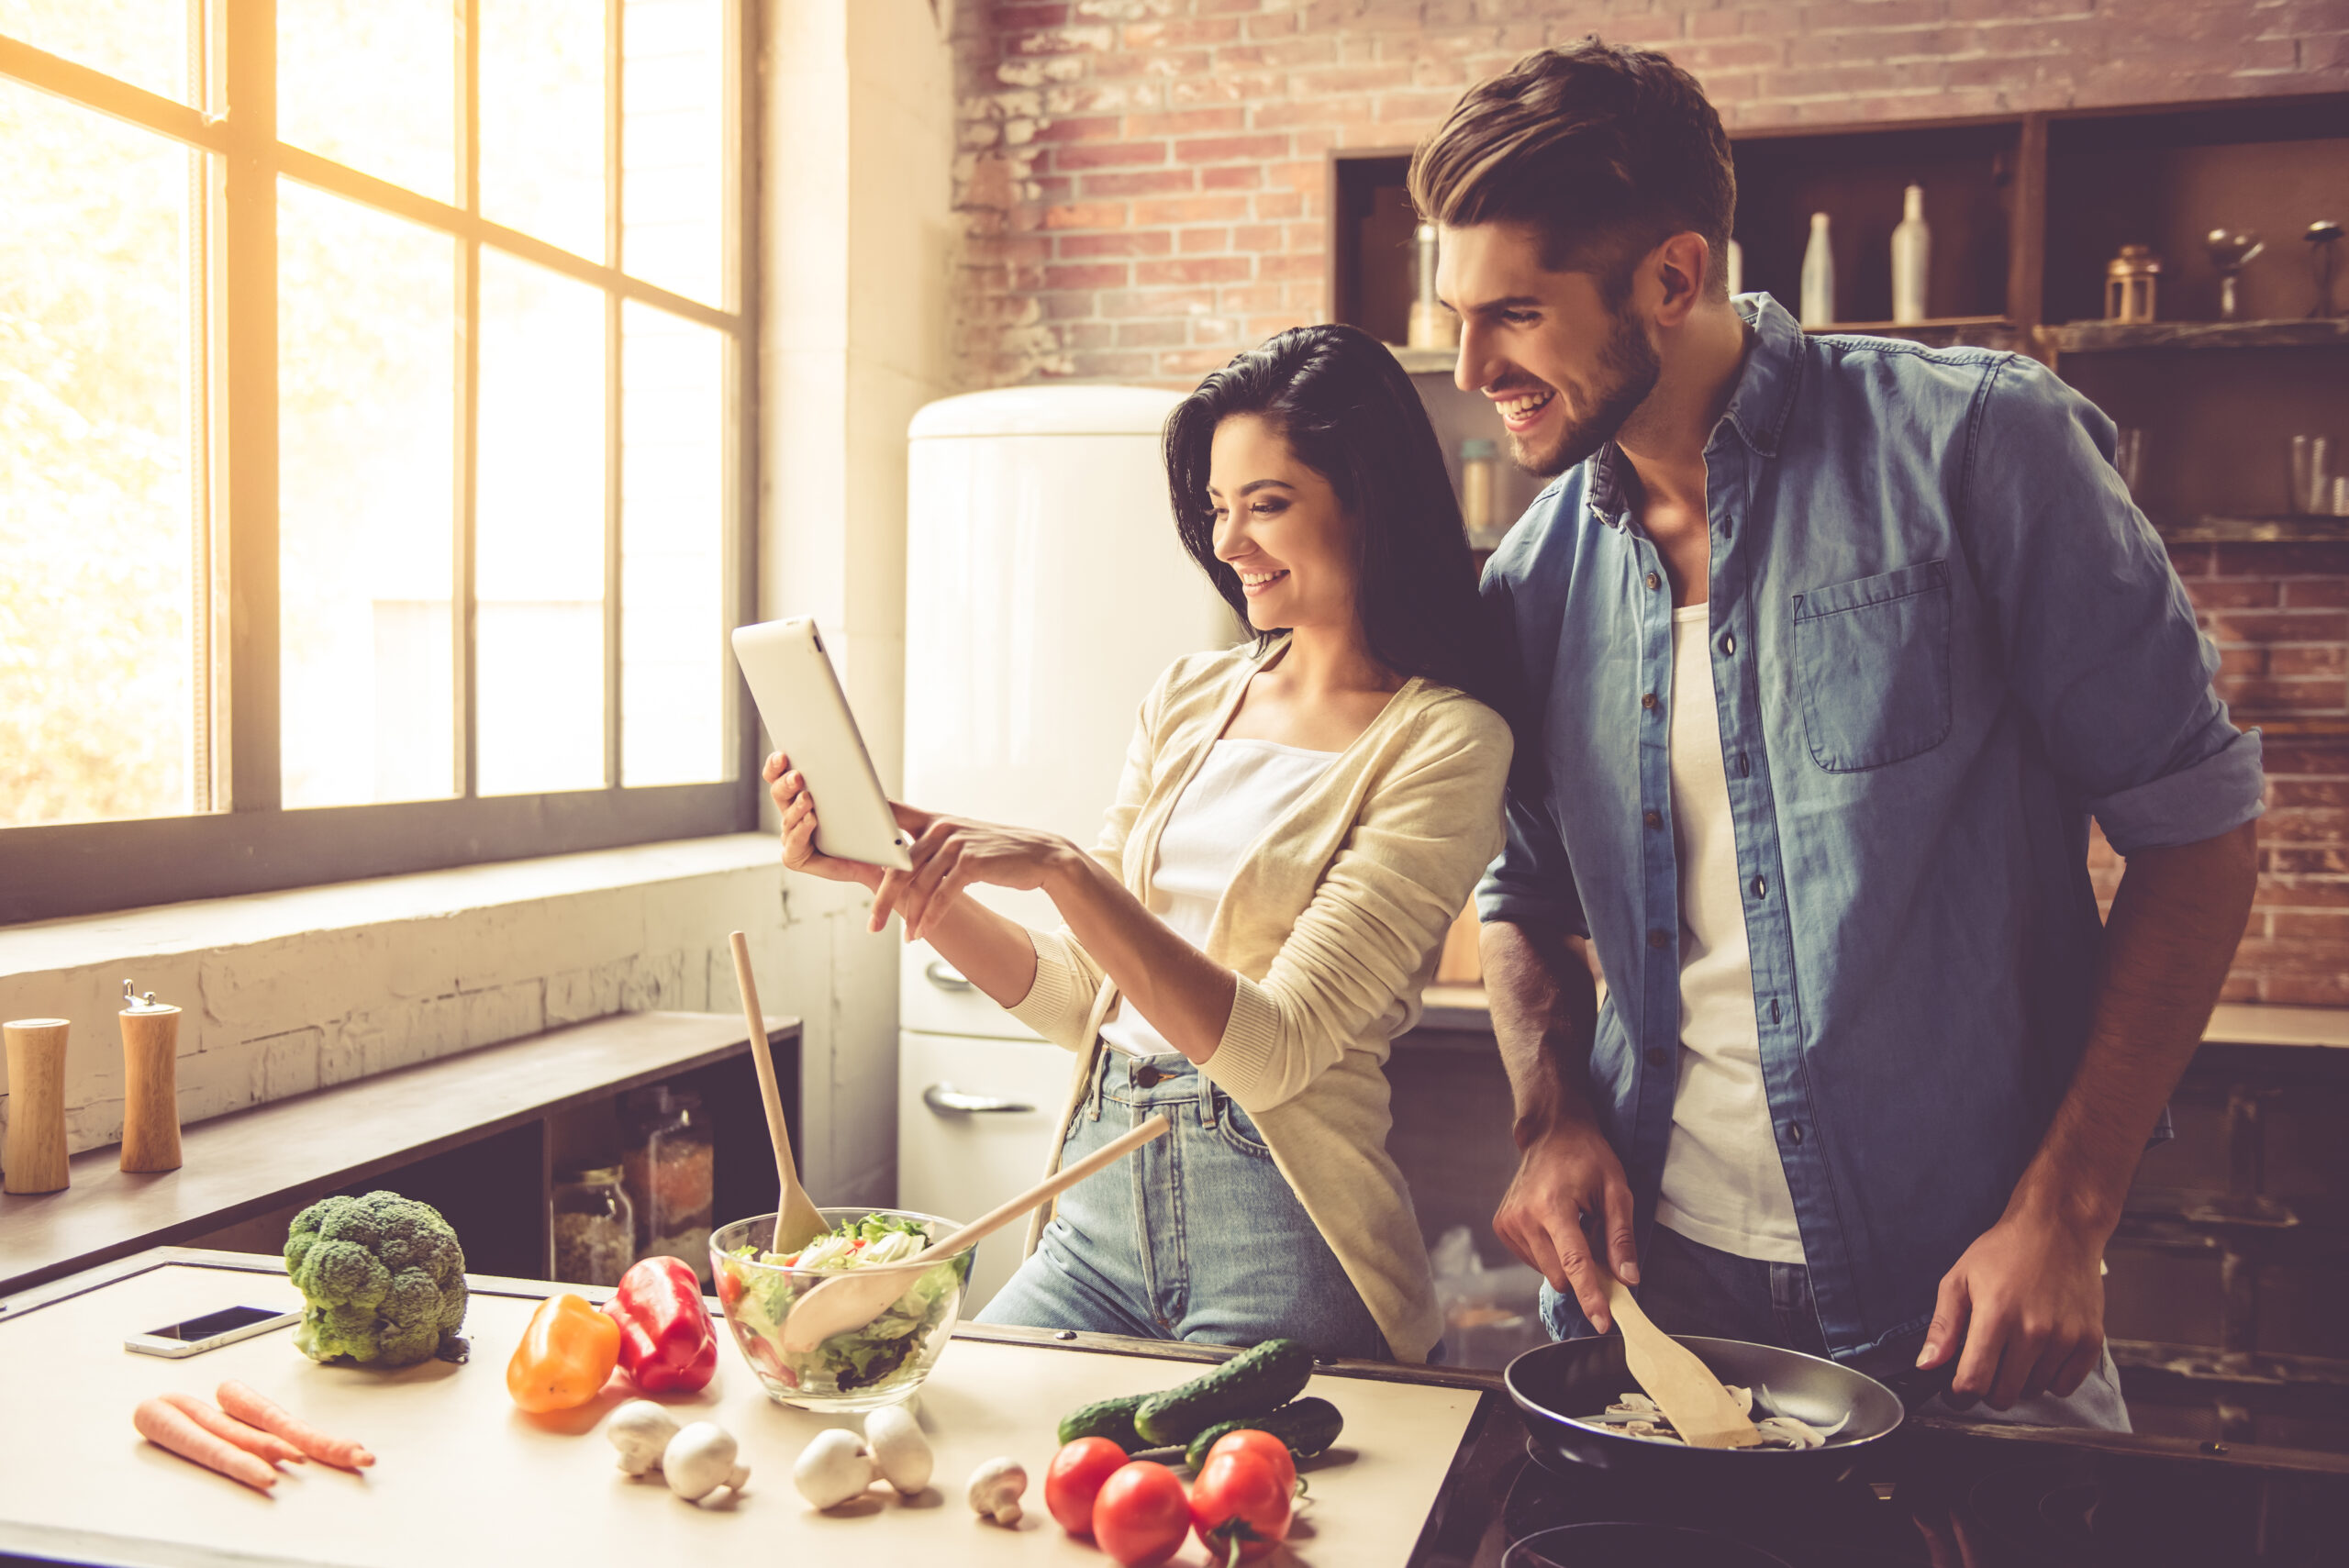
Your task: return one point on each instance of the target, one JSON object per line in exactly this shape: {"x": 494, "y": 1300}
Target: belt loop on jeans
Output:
{"x": 1100, "y": 1089}
{"x": 1206, "y": 1097}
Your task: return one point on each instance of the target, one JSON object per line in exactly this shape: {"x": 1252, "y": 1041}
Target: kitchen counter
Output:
{"x": 1433, "y": 1470}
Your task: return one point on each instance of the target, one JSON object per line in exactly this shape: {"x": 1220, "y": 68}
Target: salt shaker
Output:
{"x": 35, "y": 1158}
{"x": 151, "y": 1101}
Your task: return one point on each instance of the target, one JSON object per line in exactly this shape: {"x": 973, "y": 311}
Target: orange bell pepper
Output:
{"x": 566, "y": 1355}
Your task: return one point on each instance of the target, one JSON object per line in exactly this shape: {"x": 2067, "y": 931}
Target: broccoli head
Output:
{"x": 383, "y": 1275}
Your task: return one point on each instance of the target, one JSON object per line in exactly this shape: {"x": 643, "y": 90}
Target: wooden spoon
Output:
{"x": 1699, "y": 1408}
{"x": 797, "y": 1223}
{"x": 842, "y": 1305}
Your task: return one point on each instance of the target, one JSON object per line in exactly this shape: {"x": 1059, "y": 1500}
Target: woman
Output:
{"x": 1297, "y": 824}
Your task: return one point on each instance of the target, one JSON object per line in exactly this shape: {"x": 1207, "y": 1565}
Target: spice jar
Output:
{"x": 668, "y": 1161}
{"x": 595, "y": 1227}
{"x": 1480, "y": 461}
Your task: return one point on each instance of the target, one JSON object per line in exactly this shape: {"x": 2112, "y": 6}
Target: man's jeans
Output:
{"x": 1687, "y": 1287}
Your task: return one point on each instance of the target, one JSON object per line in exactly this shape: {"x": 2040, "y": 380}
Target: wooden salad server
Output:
{"x": 1702, "y": 1411}
{"x": 797, "y": 1223}
{"x": 847, "y": 1303}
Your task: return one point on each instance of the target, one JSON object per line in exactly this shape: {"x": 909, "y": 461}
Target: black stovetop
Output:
{"x": 1936, "y": 1495}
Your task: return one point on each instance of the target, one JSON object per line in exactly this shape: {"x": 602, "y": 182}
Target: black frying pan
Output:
{"x": 1555, "y": 1385}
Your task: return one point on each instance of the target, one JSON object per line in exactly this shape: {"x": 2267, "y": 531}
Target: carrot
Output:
{"x": 252, "y": 1406}
{"x": 253, "y": 1439}
{"x": 166, "y": 1427}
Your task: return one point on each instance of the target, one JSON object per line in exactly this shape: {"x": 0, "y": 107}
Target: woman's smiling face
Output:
{"x": 1280, "y": 527}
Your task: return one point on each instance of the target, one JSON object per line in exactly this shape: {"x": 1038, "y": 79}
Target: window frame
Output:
{"x": 240, "y": 838}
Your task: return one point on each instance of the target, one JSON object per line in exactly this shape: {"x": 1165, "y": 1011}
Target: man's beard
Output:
{"x": 1628, "y": 368}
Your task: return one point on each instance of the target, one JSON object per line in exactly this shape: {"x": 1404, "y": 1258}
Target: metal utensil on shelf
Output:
{"x": 2311, "y": 474}
{"x": 2323, "y": 238}
{"x": 2231, "y": 251}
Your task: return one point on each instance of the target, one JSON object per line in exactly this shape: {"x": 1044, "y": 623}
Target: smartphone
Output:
{"x": 210, "y": 1331}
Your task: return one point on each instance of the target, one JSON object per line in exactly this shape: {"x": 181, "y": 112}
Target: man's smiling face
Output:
{"x": 1563, "y": 369}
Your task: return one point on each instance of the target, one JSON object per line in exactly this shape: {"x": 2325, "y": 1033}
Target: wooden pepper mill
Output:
{"x": 150, "y": 1099}
{"x": 36, "y": 1160}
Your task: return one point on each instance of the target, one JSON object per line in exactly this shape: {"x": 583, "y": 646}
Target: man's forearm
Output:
{"x": 1544, "y": 1009}
{"x": 2175, "y": 922}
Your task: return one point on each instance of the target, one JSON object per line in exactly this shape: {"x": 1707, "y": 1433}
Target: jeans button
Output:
{"x": 1147, "y": 1077}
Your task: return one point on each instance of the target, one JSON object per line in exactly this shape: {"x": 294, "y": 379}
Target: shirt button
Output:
{"x": 1653, "y": 818}
{"x": 1654, "y": 581}
{"x": 1648, "y": 701}
{"x": 1759, "y": 887}
{"x": 1656, "y": 1056}
{"x": 1741, "y": 769}
{"x": 1729, "y": 644}
{"x": 1793, "y": 1132}
{"x": 1659, "y": 939}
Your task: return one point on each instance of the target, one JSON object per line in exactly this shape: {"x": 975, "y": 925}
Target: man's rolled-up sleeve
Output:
{"x": 2101, "y": 641}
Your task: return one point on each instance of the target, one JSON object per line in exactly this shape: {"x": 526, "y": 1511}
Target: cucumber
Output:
{"x": 1306, "y": 1426}
{"x": 1254, "y": 1383}
{"x": 1111, "y": 1419}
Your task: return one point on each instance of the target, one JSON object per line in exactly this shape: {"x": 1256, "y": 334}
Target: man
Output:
{"x": 1831, "y": 646}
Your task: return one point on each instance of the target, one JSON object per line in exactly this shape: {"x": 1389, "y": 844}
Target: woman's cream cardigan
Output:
{"x": 1333, "y": 923}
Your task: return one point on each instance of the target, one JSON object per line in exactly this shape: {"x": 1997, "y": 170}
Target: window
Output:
{"x": 374, "y": 446}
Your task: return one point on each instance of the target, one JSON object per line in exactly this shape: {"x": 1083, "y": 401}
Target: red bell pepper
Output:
{"x": 667, "y": 1342}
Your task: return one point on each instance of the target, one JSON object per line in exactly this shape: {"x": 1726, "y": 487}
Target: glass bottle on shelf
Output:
{"x": 1818, "y": 275}
{"x": 1430, "y": 325}
{"x": 1479, "y": 468}
{"x": 668, "y": 1159}
{"x": 1912, "y": 244}
{"x": 595, "y": 1227}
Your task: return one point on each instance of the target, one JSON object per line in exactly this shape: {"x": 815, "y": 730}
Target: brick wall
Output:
{"x": 1142, "y": 188}
{"x": 2280, "y": 617}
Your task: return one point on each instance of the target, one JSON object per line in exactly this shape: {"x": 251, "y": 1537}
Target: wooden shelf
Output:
{"x": 2289, "y": 728}
{"x": 2122, "y": 337}
{"x": 2297, "y": 529}
{"x": 299, "y": 1150}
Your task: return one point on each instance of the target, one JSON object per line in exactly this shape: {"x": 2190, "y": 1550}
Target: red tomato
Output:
{"x": 1239, "y": 1497}
{"x": 1264, "y": 1446}
{"x": 1142, "y": 1516}
{"x": 1075, "y": 1478}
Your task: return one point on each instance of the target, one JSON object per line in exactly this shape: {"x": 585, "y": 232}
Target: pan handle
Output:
{"x": 1895, "y": 1366}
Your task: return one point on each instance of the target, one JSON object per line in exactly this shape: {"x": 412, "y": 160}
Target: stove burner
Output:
{"x": 1611, "y": 1545}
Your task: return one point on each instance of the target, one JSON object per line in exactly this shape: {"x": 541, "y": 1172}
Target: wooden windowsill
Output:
{"x": 295, "y": 1150}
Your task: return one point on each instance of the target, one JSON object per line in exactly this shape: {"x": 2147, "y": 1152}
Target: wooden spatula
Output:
{"x": 848, "y": 1303}
{"x": 1694, "y": 1401}
{"x": 797, "y": 1223}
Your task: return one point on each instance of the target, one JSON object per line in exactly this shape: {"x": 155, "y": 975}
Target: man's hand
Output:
{"x": 1568, "y": 1171}
{"x": 2027, "y": 1302}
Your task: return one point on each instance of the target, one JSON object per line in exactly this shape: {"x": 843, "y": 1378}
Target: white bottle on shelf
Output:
{"x": 1818, "y": 276}
{"x": 1912, "y": 244}
{"x": 1736, "y": 269}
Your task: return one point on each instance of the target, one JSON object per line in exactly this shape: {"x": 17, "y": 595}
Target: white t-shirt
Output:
{"x": 1241, "y": 789}
{"x": 1722, "y": 1183}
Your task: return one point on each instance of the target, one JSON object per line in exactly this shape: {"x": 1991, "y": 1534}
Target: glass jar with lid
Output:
{"x": 669, "y": 1162}
{"x": 595, "y": 1227}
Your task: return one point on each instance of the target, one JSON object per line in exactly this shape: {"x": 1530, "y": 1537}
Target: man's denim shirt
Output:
{"x": 1942, "y": 638}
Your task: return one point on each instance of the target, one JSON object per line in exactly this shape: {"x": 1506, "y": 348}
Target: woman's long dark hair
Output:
{"x": 1350, "y": 413}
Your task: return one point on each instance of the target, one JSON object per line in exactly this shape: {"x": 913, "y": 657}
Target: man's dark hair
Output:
{"x": 1604, "y": 152}
{"x": 1350, "y": 414}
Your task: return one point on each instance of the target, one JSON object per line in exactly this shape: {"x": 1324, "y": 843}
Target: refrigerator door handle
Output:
{"x": 946, "y": 1100}
{"x": 945, "y": 976}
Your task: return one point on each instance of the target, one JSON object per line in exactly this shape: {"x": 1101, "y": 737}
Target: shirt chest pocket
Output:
{"x": 1871, "y": 667}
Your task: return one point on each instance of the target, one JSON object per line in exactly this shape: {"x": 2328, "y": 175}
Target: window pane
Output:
{"x": 96, "y": 503}
{"x": 543, "y": 119}
{"x": 373, "y": 85}
{"x": 672, "y": 130}
{"x": 366, "y": 420}
{"x": 142, "y": 41}
{"x": 539, "y": 531}
{"x": 673, "y": 564}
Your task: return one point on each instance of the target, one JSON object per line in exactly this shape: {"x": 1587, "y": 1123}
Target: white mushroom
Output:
{"x": 996, "y": 1489}
{"x": 699, "y": 1460}
{"x": 833, "y": 1469}
{"x": 899, "y": 1451}
{"x": 640, "y": 1430}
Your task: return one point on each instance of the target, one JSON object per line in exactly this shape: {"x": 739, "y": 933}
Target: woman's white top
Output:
{"x": 1242, "y": 789}
{"x": 1722, "y": 1183}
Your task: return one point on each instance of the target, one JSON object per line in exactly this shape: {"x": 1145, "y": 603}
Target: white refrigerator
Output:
{"x": 1045, "y": 591}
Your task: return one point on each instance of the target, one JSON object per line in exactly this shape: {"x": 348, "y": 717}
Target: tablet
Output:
{"x": 807, "y": 714}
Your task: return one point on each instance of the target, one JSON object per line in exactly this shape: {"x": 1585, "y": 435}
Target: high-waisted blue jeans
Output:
{"x": 1196, "y": 1235}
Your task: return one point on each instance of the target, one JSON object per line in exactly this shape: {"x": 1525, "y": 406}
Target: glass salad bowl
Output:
{"x": 865, "y": 1368}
